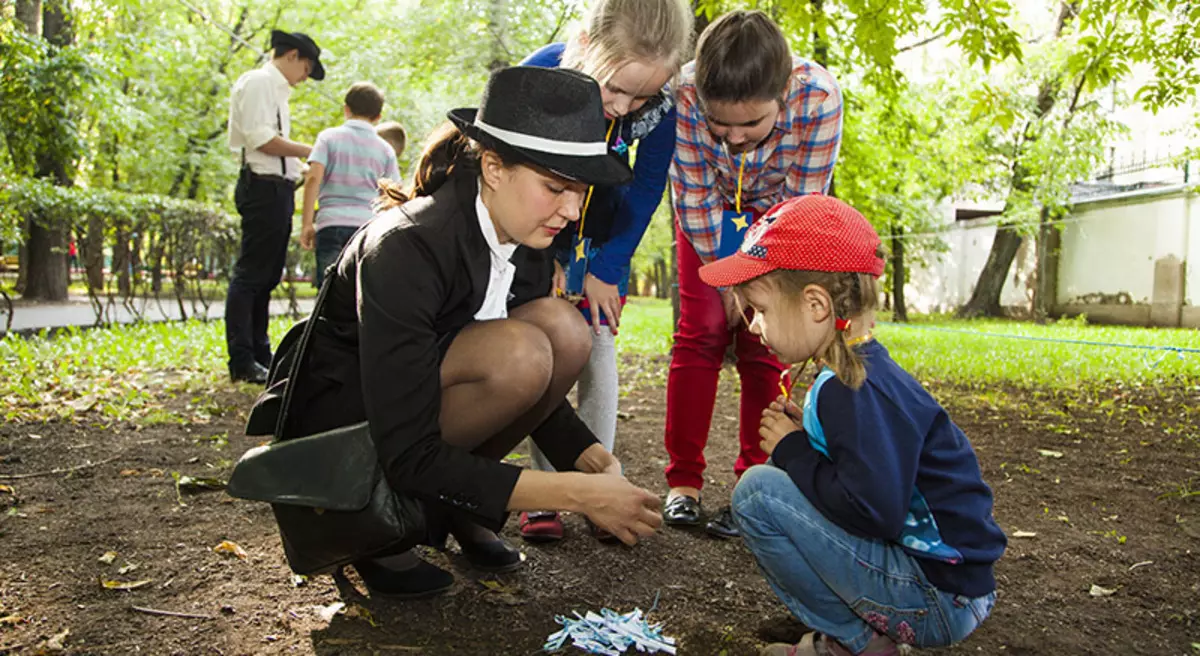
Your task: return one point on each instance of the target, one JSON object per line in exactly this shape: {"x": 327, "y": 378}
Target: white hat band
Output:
{"x": 550, "y": 146}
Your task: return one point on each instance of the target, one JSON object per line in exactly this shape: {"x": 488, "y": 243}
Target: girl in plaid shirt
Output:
{"x": 754, "y": 126}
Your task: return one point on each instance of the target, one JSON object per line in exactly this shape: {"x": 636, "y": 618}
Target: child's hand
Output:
{"x": 775, "y": 425}
{"x": 783, "y": 405}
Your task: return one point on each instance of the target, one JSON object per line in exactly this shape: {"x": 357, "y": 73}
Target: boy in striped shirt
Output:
{"x": 343, "y": 177}
{"x": 755, "y": 126}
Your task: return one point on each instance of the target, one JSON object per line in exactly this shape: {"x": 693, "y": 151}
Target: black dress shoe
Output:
{"x": 254, "y": 373}
{"x": 492, "y": 556}
{"x": 424, "y": 580}
{"x": 682, "y": 510}
{"x": 723, "y": 525}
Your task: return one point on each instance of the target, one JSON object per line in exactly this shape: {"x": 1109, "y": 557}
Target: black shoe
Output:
{"x": 723, "y": 525}
{"x": 254, "y": 373}
{"x": 682, "y": 510}
{"x": 492, "y": 556}
{"x": 424, "y": 580}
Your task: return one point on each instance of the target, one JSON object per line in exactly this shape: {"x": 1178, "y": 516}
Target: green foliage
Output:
{"x": 44, "y": 89}
{"x": 74, "y": 206}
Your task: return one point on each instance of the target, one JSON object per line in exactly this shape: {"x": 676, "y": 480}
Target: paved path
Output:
{"x": 77, "y": 311}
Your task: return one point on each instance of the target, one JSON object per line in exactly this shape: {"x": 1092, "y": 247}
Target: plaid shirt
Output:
{"x": 796, "y": 158}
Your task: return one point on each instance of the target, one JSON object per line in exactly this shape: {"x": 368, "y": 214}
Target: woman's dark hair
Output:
{"x": 446, "y": 150}
{"x": 742, "y": 56}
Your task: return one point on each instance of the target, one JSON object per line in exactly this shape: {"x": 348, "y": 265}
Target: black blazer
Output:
{"x": 402, "y": 289}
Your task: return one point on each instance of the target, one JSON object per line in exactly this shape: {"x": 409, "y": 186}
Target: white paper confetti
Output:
{"x": 610, "y": 633}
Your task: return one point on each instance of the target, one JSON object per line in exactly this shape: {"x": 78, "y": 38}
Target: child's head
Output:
{"x": 742, "y": 71}
{"x": 364, "y": 101}
{"x": 632, "y": 48}
{"x": 808, "y": 270}
{"x": 393, "y": 133}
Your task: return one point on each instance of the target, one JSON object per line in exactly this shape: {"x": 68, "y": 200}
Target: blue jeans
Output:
{"x": 330, "y": 242}
{"x": 844, "y": 586}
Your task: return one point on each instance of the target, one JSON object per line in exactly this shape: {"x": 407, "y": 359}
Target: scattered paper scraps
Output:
{"x": 610, "y": 633}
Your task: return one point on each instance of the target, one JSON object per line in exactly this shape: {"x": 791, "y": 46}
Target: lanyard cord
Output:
{"x": 588, "y": 200}
{"x": 737, "y": 200}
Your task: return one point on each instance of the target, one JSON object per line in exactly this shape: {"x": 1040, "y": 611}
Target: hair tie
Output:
{"x": 841, "y": 324}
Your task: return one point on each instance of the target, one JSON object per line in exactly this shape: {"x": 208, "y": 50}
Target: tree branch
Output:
{"x": 562, "y": 19}
{"x": 921, "y": 43}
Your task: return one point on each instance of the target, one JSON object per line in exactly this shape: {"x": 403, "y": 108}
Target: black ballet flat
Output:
{"x": 492, "y": 556}
{"x": 424, "y": 580}
{"x": 682, "y": 510}
{"x": 723, "y": 525}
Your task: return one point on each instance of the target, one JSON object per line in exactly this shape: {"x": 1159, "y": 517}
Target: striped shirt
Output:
{"x": 796, "y": 158}
{"x": 355, "y": 158}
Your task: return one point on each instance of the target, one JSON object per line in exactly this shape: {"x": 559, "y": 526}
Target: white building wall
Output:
{"x": 1116, "y": 261}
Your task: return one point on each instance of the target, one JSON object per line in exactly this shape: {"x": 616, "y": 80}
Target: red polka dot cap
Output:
{"x": 807, "y": 233}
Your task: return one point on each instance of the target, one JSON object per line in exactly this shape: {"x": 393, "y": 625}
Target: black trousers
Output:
{"x": 266, "y": 206}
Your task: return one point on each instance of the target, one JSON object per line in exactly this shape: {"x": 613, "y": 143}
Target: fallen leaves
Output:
{"x": 1047, "y": 453}
{"x": 83, "y": 403}
{"x": 122, "y": 585}
{"x": 327, "y": 613}
{"x": 1097, "y": 591}
{"x": 12, "y": 620}
{"x": 7, "y": 489}
{"x": 55, "y": 643}
{"x": 108, "y": 557}
{"x": 230, "y": 548}
{"x": 1024, "y": 534}
{"x": 198, "y": 484}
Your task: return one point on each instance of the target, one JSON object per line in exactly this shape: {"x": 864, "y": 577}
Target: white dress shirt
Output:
{"x": 495, "y": 300}
{"x": 258, "y": 111}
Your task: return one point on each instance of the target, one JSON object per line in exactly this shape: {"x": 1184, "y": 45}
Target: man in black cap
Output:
{"x": 259, "y": 125}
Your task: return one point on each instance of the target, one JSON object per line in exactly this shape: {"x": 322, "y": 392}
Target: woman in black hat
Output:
{"x": 416, "y": 338}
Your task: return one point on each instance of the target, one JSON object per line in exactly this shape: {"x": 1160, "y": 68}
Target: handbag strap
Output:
{"x": 301, "y": 351}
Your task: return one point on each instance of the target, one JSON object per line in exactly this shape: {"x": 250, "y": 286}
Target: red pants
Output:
{"x": 700, "y": 343}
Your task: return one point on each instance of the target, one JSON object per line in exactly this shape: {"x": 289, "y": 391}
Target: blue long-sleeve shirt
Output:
{"x": 624, "y": 212}
{"x": 886, "y": 462}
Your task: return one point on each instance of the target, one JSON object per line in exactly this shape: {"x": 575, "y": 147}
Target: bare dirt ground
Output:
{"x": 1106, "y": 482}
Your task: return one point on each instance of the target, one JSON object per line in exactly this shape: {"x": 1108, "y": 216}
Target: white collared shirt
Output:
{"x": 258, "y": 111}
{"x": 495, "y": 300}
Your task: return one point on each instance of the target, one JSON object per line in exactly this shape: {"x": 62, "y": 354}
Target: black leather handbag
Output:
{"x": 331, "y": 500}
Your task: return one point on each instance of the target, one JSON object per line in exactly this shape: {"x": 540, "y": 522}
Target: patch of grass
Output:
{"x": 646, "y": 327}
{"x": 120, "y": 373}
{"x": 982, "y": 358}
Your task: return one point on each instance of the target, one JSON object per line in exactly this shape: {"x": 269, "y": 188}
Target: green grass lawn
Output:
{"x": 121, "y": 372}
{"x": 984, "y": 357}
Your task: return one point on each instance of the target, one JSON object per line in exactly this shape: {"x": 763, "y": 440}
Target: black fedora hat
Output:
{"x": 552, "y": 117}
{"x": 307, "y": 47}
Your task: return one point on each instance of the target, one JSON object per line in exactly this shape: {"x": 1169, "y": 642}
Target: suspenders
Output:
{"x": 282, "y": 159}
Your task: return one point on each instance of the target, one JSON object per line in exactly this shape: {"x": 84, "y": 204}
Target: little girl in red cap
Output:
{"x": 871, "y": 521}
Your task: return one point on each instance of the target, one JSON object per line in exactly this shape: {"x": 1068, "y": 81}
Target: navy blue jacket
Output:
{"x": 890, "y": 465}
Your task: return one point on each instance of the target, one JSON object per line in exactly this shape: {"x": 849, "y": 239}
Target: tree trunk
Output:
{"x": 985, "y": 298}
{"x": 92, "y": 253}
{"x": 1045, "y": 292}
{"x": 47, "y": 276}
{"x": 899, "y": 275}
{"x": 121, "y": 261}
{"x": 29, "y": 15}
{"x": 497, "y": 25}
{"x": 821, "y": 55}
{"x": 157, "y": 249}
